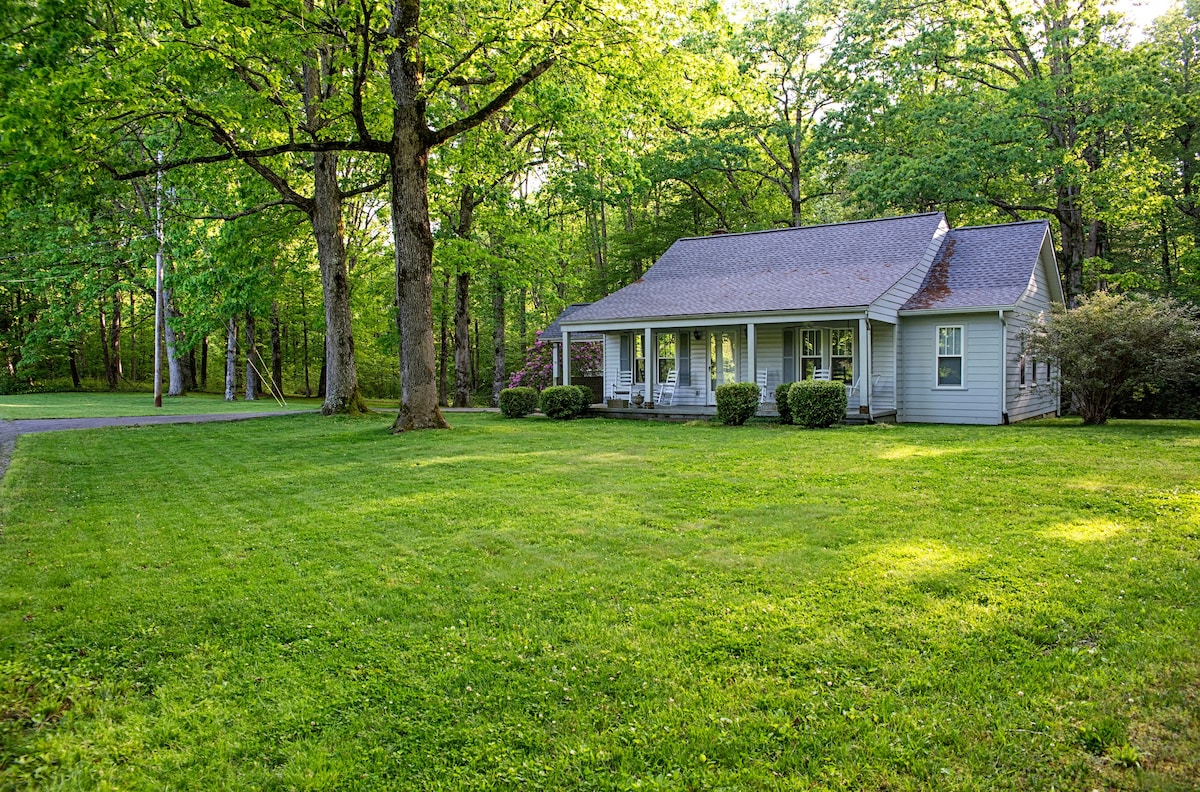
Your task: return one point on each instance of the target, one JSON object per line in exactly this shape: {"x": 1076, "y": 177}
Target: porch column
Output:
{"x": 566, "y": 379}
{"x": 651, "y": 356}
{"x": 751, "y": 354}
{"x": 864, "y": 334}
{"x": 554, "y": 364}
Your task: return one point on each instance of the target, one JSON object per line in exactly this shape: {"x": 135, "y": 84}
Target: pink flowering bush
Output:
{"x": 538, "y": 370}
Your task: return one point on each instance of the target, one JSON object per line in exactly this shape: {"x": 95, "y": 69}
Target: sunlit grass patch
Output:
{"x": 316, "y": 603}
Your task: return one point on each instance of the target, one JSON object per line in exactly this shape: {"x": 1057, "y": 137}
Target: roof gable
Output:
{"x": 982, "y": 267}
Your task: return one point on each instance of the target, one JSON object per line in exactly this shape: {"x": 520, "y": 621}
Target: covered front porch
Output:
{"x": 678, "y": 366}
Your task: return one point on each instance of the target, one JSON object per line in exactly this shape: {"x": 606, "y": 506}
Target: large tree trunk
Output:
{"x": 175, "y": 364}
{"x": 410, "y": 226}
{"x": 499, "y": 358}
{"x": 252, "y": 360}
{"x": 462, "y": 346}
{"x": 341, "y": 373}
{"x": 114, "y": 342}
{"x": 231, "y": 361}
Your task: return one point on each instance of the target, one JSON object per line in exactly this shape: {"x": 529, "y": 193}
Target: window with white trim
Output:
{"x": 950, "y": 356}
{"x": 811, "y": 355}
{"x": 666, "y": 355}
{"x": 841, "y": 354}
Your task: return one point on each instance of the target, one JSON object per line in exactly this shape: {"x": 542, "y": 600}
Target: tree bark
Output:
{"x": 276, "y": 350}
{"x": 204, "y": 363}
{"x": 252, "y": 360}
{"x": 175, "y": 364}
{"x": 341, "y": 393}
{"x": 462, "y": 346}
{"x": 444, "y": 346}
{"x": 409, "y": 166}
{"x": 499, "y": 358}
{"x": 231, "y": 361}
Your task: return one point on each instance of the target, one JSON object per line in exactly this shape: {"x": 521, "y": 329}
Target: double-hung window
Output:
{"x": 950, "y": 357}
{"x": 666, "y": 355}
{"x": 841, "y": 354}
{"x": 811, "y": 354}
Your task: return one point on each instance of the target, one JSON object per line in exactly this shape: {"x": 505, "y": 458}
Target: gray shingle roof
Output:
{"x": 827, "y": 266}
{"x": 553, "y": 331}
{"x": 981, "y": 267}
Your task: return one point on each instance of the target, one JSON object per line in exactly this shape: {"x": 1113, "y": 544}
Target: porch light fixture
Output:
{"x": 696, "y": 335}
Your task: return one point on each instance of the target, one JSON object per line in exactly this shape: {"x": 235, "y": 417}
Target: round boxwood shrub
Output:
{"x": 564, "y": 401}
{"x": 782, "y": 404}
{"x": 586, "y": 394}
{"x": 736, "y": 402}
{"x": 518, "y": 402}
{"x": 817, "y": 404}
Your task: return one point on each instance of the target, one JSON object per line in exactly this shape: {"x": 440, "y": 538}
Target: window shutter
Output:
{"x": 789, "y": 355}
{"x": 684, "y": 364}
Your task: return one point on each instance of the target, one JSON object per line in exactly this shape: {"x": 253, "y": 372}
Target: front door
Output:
{"x": 722, "y": 361}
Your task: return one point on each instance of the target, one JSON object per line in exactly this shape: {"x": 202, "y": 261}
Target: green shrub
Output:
{"x": 817, "y": 404}
{"x": 564, "y": 401}
{"x": 586, "y": 394}
{"x": 736, "y": 402}
{"x": 518, "y": 402}
{"x": 782, "y": 404}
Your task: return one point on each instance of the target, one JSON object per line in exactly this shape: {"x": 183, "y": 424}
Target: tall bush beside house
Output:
{"x": 817, "y": 404}
{"x": 518, "y": 402}
{"x": 1112, "y": 346}
{"x": 737, "y": 402}
{"x": 782, "y": 404}
{"x": 564, "y": 401}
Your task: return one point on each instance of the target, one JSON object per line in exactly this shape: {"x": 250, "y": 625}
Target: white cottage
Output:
{"x": 922, "y": 322}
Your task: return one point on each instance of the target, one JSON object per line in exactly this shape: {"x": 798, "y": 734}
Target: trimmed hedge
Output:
{"x": 817, "y": 404}
{"x": 782, "y": 404}
{"x": 736, "y": 402}
{"x": 565, "y": 401}
{"x": 518, "y": 402}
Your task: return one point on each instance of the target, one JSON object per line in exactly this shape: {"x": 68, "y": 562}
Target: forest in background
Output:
{"x": 255, "y": 147}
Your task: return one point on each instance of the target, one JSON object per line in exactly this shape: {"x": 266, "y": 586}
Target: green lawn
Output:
{"x": 308, "y": 603}
{"x": 112, "y": 405}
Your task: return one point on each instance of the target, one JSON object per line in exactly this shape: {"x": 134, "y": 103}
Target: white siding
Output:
{"x": 612, "y": 361}
{"x": 1030, "y": 401}
{"x": 978, "y": 401}
{"x": 883, "y": 366}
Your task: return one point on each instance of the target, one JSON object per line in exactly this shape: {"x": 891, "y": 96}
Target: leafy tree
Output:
{"x": 1111, "y": 345}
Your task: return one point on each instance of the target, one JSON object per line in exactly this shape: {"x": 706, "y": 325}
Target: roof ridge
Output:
{"x": 818, "y": 225}
{"x": 1043, "y": 221}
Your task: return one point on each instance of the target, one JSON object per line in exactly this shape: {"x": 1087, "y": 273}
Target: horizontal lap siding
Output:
{"x": 920, "y": 400}
{"x": 883, "y": 363}
{"x": 612, "y": 361}
{"x": 1029, "y": 401}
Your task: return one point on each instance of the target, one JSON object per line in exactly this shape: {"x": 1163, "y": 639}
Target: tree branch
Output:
{"x": 436, "y": 137}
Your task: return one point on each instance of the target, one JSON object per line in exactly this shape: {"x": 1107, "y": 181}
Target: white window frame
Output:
{"x": 962, "y": 356}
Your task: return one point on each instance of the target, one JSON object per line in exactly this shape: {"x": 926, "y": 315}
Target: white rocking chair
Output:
{"x": 665, "y": 393}
{"x": 821, "y": 374}
{"x": 623, "y": 387}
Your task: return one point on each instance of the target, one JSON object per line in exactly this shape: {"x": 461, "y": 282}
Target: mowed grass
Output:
{"x": 114, "y": 405}
{"x": 308, "y": 603}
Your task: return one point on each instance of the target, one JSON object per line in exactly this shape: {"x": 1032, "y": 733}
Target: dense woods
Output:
{"x": 389, "y": 199}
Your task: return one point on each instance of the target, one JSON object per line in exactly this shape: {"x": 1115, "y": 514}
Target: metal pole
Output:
{"x": 158, "y": 286}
